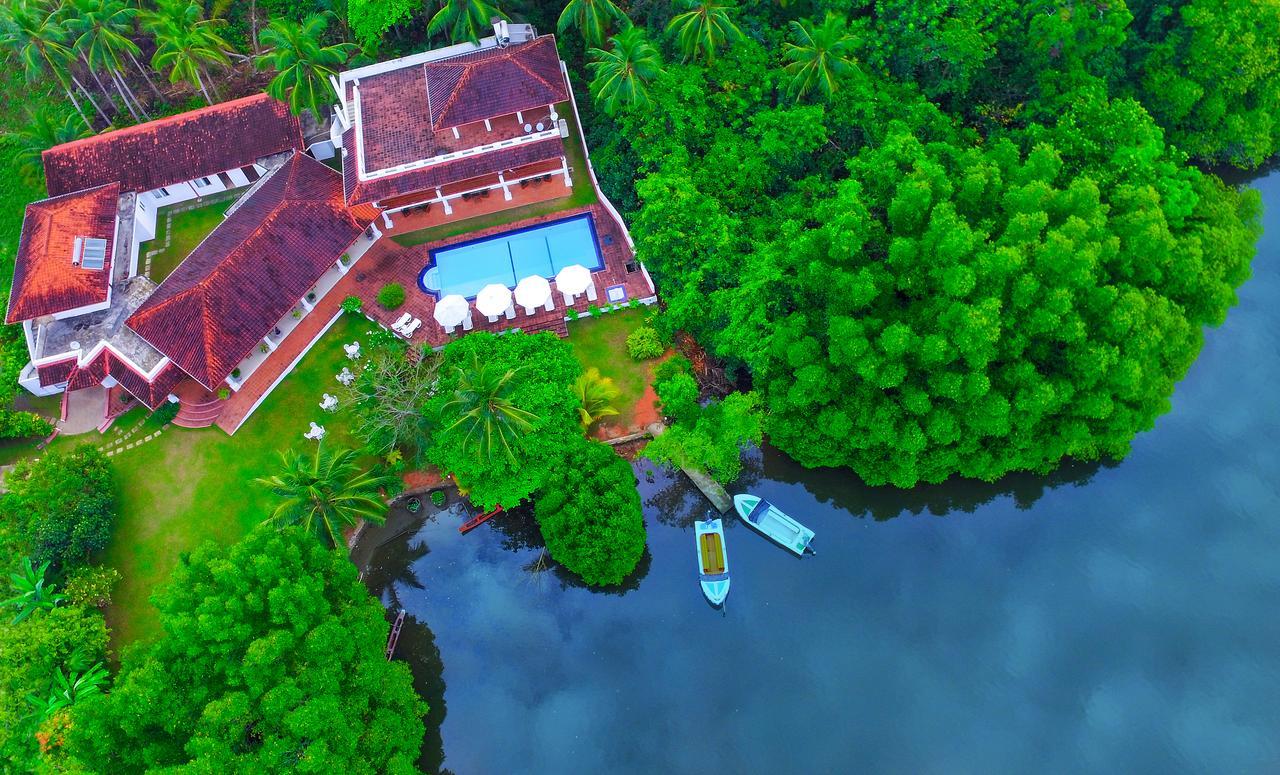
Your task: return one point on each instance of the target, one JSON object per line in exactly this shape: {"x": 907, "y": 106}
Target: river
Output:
{"x": 1105, "y": 618}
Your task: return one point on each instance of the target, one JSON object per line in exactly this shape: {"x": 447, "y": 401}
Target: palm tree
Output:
{"x": 703, "y": 27}
{"x": 103, "y": 28}
{"x": 302, "y": 64}
{"x": 30, "y": 592}
{"x": 482, "y": 408}
{"x": 39, "y": 42}
{"x": 821, "y": 55}
{"x": 622, "y": 73}
{"x": 186, "y": 42}
{"x": 591, "y": 17}
{"x": 464, "y": 19}
{"x": 39, "y": 133}
{"x": 595, "y": 395}
{"x": 325, "y": 492}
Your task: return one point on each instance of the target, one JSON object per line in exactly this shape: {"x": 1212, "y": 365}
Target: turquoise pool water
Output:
{"x": 507, "y": 258}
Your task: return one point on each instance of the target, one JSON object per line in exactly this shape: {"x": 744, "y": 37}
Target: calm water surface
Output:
{"x": 1106, "y": 618}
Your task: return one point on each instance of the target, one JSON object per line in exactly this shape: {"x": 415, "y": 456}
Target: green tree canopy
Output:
{"x": 67, "y": 502}
{"x": 538, "y": 390}
{"x": 303, "y": 64}
{"x": 621, "y": 74}
{"x": 326, "y": 492}
{"x": 589, "y": 513}
{"x": 271, "y": 660}
{"x": 591, "y": 17}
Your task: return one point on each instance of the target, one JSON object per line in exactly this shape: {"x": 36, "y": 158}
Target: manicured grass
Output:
{"x": 189, "y": 228}
{"x": 583, "y": 194}
{"x": 601, "y": 341}
{"x": 189, "y": 486}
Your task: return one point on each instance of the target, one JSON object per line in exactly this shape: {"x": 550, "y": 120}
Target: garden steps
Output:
{"x": 200, "y": 415}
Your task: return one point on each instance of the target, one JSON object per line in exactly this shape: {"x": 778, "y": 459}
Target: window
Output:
{"x": 202, "y": 182}
{"x": 163, "y": 191}
{"x": 94, "y": 253}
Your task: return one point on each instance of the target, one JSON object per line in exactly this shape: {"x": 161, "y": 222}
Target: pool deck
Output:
{"x": 388, "y": 262}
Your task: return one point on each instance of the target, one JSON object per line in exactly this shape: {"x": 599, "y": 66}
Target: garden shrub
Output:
{"x": 644, "y": 344}
{"x": 91, "y": 585}
{"x": 23, "y": 425}
{"x": 589, "y": 514}
{"x": 352, "y": 304}
{"x": 678, "y": 397}
{"x": 391, "y": 295}
{"x": 165, "y": 413}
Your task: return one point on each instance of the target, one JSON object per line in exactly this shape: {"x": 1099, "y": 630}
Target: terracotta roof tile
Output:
{"x": 150, "y": 392}
{"x": 251, "y": 270}
{"x": 494, "y": 82}
{"x": 490, "y": 163}
{"x": 175, "y": 149}
{"x": 44, "y": 280}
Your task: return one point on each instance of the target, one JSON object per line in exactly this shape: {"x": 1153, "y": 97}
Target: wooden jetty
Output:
{"x": 710, "y": 488}
{"x": 394, "y": 638}
{"x": 478, "y": 520}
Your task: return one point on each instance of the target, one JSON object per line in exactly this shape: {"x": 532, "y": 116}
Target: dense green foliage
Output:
{"x": 706, "y": 437}
{"x": 303, "y": 65}
{"x": 982, "y": 257}
{"x": 67, "y": 639}
{"x": 501, "y": 442}
{"x": 271, "y": 660}
{"x": 67, "y": 503}
{"x": 589, "y": 514}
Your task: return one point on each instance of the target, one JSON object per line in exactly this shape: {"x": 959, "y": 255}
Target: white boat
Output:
{"x": 773, "y": 523}
{"x": 713, "y": 560}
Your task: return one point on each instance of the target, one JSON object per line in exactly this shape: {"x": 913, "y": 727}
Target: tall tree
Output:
{"x": 621, "y": 74}
{"x": 302, "y": 63}
{"x": 591, "y": 17}
{"x": 820, "y": 57}
{"x": 482, "y": 409}
{"x": 703, "y": 27}
{"x": 186, "y": 43}
{"x": 40, "y": 42}
{"x": 464, "y": 20}
{"x": 325, "y": 493}
{"x": 271, "y": 661}
{"x": 40, "y": 132}
{"x": 102, "y": 29}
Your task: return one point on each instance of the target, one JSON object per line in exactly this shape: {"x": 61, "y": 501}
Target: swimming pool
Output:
{"x": 507, "y": 258}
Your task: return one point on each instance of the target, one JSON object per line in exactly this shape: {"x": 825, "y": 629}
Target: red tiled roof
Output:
{"x": 494, "y": 82}
{"x": 393, "y": 119}
{"x": 53, "y": 373}
{"x": 362, "y": 192}
{"x": 44, "y": 280}
{"x": 251, "y": 270}
{"x": 175, "y": 149}
{"x": 107, "y": 362}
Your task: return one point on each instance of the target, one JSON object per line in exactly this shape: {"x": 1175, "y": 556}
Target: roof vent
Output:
{"x": 500, "y": 31}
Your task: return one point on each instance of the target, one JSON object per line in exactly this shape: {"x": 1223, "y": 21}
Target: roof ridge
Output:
{"x": 157, "y": 122}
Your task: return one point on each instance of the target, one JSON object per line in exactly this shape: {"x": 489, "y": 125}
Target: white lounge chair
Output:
{"x": 409, "y": 329}
{"x": 402, "y": 322}
{"x": 315, "y": 434}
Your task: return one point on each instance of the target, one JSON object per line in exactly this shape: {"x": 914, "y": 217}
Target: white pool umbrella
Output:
{"x": 532, "y": 292}
{"x": 451, "y": 310}
{"x": 575, "y": 279}
{"x": 494, "y": 300}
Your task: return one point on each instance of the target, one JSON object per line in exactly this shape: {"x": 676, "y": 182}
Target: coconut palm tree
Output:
{"x": 186, "y": 43}
{"x": 30, "y": 592}
{"x": 481, "y": 408}
{"x": 591, "y": 17}
{"x": 102, "y": 29}
{"x": 464, "y": 19}
{"x": 703, "y": 27}
{"x": 38, "y": 41}
{"x": 621, "y": 74}
{"x": 302, "y": 64}
{"x": 595, "y": 395}
{"x": 325, "y": 492}
{"x": 40, "y": 132}
{"x": 821, "y": 55}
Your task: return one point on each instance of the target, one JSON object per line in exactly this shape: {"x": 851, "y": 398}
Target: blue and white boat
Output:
{"x": 773, "y": 523}
{"x": 713, "y": 560}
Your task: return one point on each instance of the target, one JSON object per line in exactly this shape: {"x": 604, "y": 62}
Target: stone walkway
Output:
{"x": 121, "y": 440}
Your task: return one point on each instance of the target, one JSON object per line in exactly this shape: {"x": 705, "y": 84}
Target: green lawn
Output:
{"x": 583, "y": 194}
{"x": 601, "y": 341}
{"x": 189, "y": 228}
{"x": 191, "y": 485}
